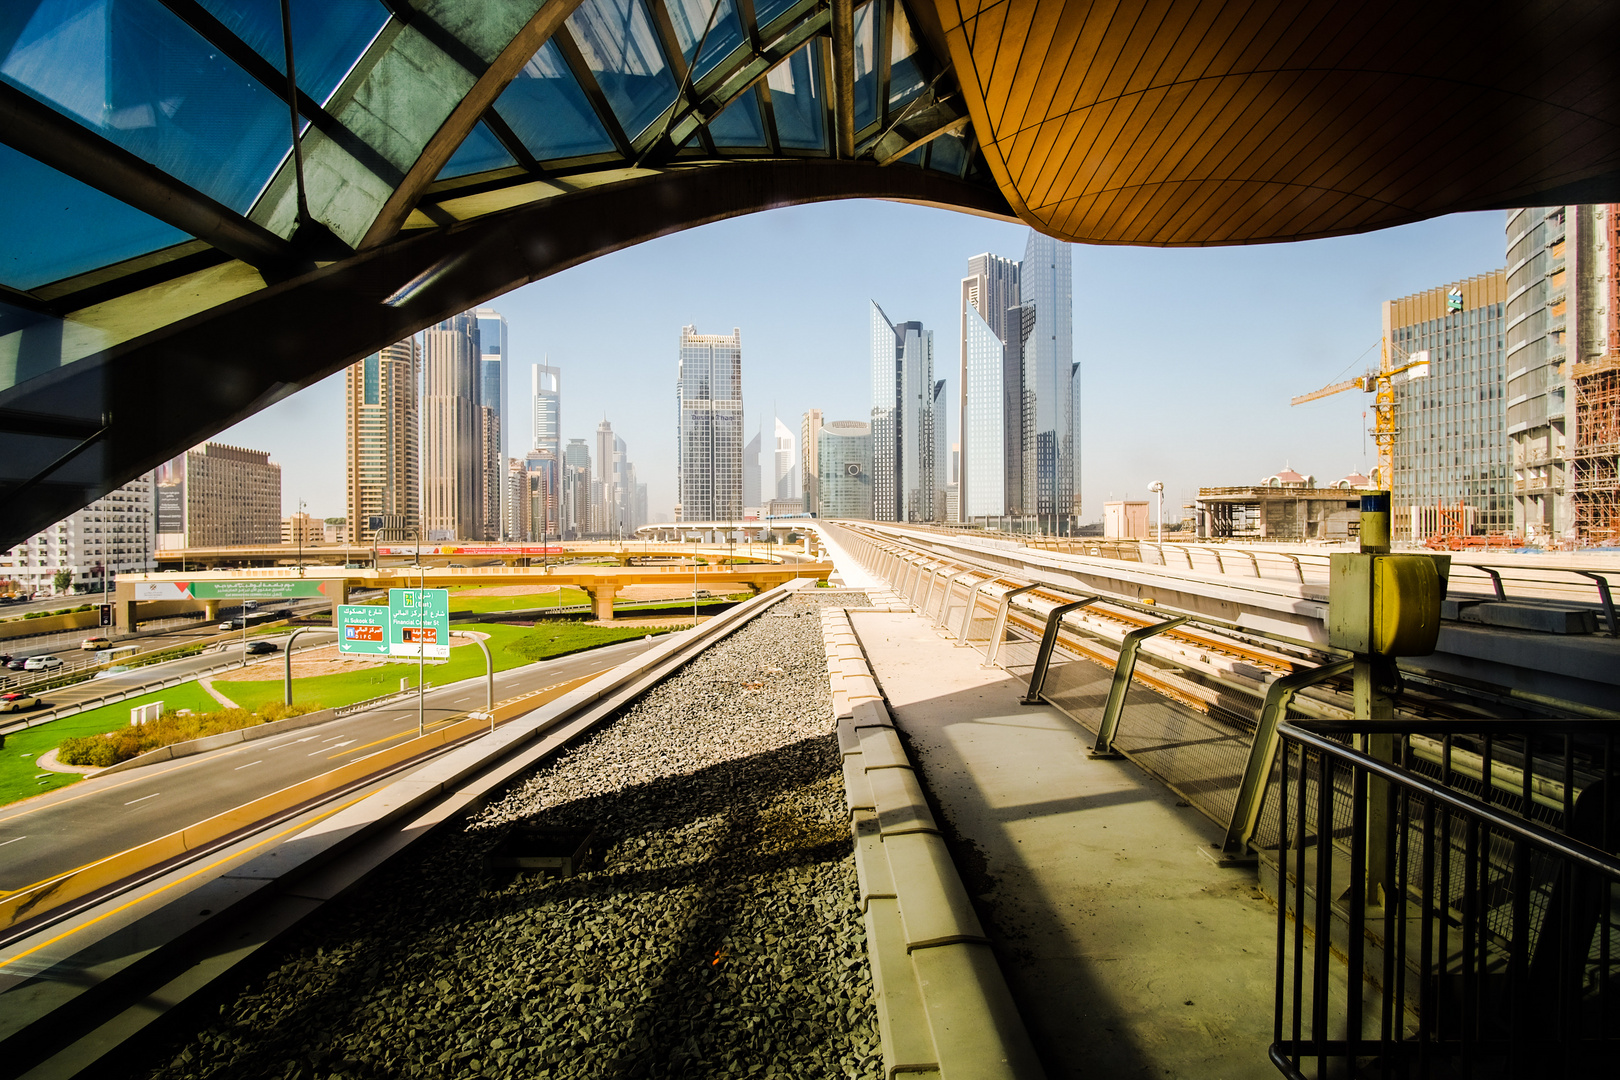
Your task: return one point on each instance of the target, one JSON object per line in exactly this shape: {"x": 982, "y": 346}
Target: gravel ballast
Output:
{"x": 713, "y": 933}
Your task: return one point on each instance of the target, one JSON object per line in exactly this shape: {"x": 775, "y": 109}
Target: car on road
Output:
{"x": 42, "y": 663}
{"x": 91, "y": 644}
{"x": 17, "y": 663}
{"x": 17, "y": 702}
{"x": 113, "y": 672}
{"x": 259, "y": 648}
{"x": 231, "y": 624}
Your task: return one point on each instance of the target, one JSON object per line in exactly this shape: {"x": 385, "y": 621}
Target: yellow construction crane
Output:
{"x": 1382, "y": 383}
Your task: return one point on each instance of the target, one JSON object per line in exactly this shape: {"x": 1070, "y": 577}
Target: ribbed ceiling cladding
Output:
{"x": 1198, "y": 123}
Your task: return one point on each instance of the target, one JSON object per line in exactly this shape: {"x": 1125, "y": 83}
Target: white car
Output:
{"x": 42, "y": 663}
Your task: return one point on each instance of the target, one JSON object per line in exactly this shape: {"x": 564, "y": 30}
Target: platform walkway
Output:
{"x": 1130, "y": 952}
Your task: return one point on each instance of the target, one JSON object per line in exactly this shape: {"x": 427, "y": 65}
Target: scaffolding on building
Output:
{"x": 1595, "y": 463}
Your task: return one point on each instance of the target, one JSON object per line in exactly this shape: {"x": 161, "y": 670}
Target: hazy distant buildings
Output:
{"x": 787, "y": 464}
{"x": 576, "y": 481}
{"x": 844, "y": 469}
{"x": 111, "y": 535}
{"x": 752, "y": 496}
{"x": 709, "y": 447}
{"x": 1452, "y": 447}
{"x": 809, "y": 435}
{"x": 382, "y": 432}
{"x": 452, "y": 432}
{"x": 905, "y": 467}
{"x": 218, "y": 496}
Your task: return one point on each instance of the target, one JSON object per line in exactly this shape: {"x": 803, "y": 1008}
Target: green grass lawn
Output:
{"x": 17, "y": 768}
{"x": 509, "y": 647}
{"x": 480, "y": 605}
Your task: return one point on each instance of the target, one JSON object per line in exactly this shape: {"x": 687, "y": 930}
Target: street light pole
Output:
{"x": 1157, "y": 487}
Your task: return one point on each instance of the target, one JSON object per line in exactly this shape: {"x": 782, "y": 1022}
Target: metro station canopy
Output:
{"x": 174, "y": 260}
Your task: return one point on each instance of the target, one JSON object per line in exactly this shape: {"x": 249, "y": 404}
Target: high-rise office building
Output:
{"x": 844, "y": 465}
{"x": 1451, "y": 449}
{"x": 453, "y": 474}
{"x": 518, "y": 511}
{"x": 709, "y": 477}
{"x": 905, "y": 477}
{"x": 384, "y": 487}
{"x": 604, "y": 515}
{"x": 112, "y": 535}
{"x": 218, "y": 496}
{"x": 546, "y": 388}
{"x": 1561, "y": 330}
{"x": 493, "y": 363}
{"x": 809, "y": 429}
{"x": 787, "y": 464}
{"x": 752, "y": 496}
{"x": 1051, "y": 481}
{"x": 576, "y": 488}
{"x": 991, "y": 420}
{"x": 543, "y": 492}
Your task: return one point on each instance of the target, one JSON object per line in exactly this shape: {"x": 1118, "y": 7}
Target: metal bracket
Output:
{"x": 1263, "y": 751}
{"x": 1000, "y": 629}
{"x": 1124, "y": 670}
{"x": 1496, "y": 581}
{"x": 1043, "y": 658}
{"x": 1606, "y": 597}
{"x": 945, "y": 599}
{"x": 967, "y": 612}
{"x": 928, "y": 594}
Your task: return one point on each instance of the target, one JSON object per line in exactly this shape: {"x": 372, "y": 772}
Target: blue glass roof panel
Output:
{"x": 56, "y": 227}
{"x": 948, "y": 154}
{"x": 690, "y": 19}
{"x": 479, "y": 152}
{"x": 135, "y": 74}
{"x": 905, "y": 74}
{"x": 866, "y": 45}
{"x": 621, "y": 49}
{"x": 545, "y": 107}
{"x": 766, "y": 10}
{"x": 328, "y": 35}
{"x": 739, "y": 124}
{"x": 797, "y": 101}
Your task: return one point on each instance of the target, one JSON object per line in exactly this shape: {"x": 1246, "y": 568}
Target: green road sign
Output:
{"x": 419, "y": 623}
{"x": 363, "y": 629}
{"x": 277, "y": 589}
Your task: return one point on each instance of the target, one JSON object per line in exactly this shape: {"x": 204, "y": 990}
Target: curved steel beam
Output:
{"x": 169, "y": 390}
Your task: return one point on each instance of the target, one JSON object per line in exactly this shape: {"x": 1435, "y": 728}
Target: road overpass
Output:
{"x": 213, "y": 588}
{"x": 468, "y": 553}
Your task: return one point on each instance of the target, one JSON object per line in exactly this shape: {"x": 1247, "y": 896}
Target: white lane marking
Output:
{"x": 306, "y": 738}
{"x": 249, "y": 765}
{"x": 143, "y": 798}
{"x": 339, "y": 746}
{"x": 13, "y": 840}
{"x": 330, "y": 737}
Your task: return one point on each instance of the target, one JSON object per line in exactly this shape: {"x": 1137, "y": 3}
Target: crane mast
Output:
{"x": 1381, "y": 384}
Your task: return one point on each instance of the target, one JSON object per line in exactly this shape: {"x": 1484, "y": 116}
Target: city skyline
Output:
{"x": 1166, "y": 335}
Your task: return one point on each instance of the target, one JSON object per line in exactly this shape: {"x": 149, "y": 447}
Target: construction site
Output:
{"x": 1595, "y": 461}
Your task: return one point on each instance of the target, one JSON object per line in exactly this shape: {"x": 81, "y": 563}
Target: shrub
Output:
{"x": 101, "y": 751}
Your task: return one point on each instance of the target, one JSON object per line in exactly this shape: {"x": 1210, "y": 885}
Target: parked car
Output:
{"x": 259, "y": 648}
{"x": 42, "y": 663}
{"x": 91, "y": 644}
{"x": 17, "y": 702}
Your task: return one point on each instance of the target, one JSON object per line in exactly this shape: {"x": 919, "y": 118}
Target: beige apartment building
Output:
{"x": 218, "y": 496}
{"x": 384, "y": 486}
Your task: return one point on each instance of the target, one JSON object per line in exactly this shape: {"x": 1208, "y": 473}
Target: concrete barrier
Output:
{"x": 224, "y": 738}
{"x": 943, "y": 1005}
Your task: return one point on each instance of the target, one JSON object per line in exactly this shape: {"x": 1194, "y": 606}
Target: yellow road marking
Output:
{"x": 178, "y": 881}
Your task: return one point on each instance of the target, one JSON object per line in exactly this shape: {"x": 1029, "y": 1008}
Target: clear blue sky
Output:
{"x": 1189, "y": 356}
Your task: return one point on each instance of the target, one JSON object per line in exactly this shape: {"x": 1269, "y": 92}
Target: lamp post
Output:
{"x": 1157, "y": 487}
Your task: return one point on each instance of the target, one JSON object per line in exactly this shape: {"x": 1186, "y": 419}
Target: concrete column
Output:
{"x": 339, "y": 596}
{"x": 602, "y": 600}
{"x": 211, "y": 611}
{"x": 124, "y": 616}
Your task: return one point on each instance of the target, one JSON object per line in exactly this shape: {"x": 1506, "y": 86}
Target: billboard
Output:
{"x": 169, "y": 492}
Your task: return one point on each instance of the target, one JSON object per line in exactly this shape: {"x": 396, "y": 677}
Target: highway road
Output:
{"x": 85, "y": 822}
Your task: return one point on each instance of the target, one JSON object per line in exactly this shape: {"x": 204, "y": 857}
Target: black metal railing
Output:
{"x": 1447, "y": 899}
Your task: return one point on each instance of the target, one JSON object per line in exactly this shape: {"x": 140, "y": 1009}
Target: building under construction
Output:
{"x": 1595, "y": 460}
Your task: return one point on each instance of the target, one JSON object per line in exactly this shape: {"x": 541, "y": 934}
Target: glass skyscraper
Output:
{"x": 709, "y": 446}
{"x": 1051, "y": 479}
{"x": 1452, "y": 446}
{"x": 844, "y": 469}
{"x": 546, "y": 389}
{"x": 452, "y": 432}
{"x": 493, "y": 362}
{"x": 383, "y": 485}
{"x": 905, "y": 480}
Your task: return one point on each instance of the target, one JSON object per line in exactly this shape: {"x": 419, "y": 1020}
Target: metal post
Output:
{"x": 928, "y": 596}
{"x": 967, "y": 612}
{"x": 489, "y": 680}
{"x": 421, "y": 657}
{"x": 1000, "y": 629}
{"x": 1263, "y": 751}
{"x": 1043, "y": 657}
{"x": 1496, "y": 581}
{"x": 1606, "y": 597}
{"x": 945, "y": 600}
{"x": 1124, "y": 670}
{"x": 286, "y": 690}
